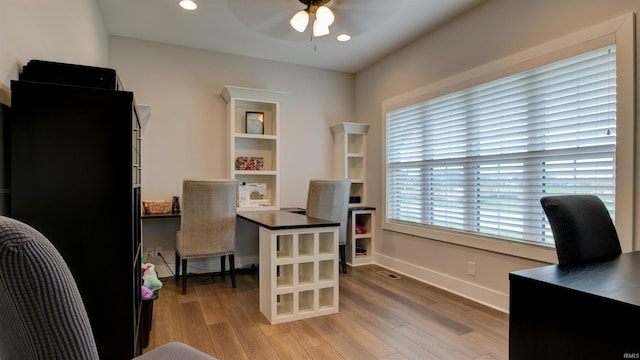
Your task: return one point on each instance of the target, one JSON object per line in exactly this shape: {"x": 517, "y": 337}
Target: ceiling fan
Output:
{"x": 272, "y": 17}
{"x": 323, "y": 17}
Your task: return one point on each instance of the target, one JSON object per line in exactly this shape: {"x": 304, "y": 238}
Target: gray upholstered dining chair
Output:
{"x": 582, "y": 228}
{"x": 329, "y": 200}
{"x": 42, "y": 315}
{"x": 208, "y": 224}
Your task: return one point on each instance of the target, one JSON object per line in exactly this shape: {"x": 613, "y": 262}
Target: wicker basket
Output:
{"x": 156, "y": 207}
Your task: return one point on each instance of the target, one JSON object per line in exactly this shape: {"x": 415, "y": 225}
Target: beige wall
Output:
{"x": 187, "y": 134}
{"x": 56, "y": 30}
{"x": 495, "y": 30}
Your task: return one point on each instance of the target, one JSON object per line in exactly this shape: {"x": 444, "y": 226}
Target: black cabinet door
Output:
{"x": 71, "y": 175}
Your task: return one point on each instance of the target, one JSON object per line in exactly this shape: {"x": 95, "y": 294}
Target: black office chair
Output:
{"x": 582, "y": 228}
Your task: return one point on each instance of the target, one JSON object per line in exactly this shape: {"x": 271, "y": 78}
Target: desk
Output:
{"x": 159, "y": 216}
{"x": 587, "y": 311}
{"x": 298, "y": 270}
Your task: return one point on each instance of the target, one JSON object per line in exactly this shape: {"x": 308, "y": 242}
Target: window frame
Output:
{"x": 618, "y": 31}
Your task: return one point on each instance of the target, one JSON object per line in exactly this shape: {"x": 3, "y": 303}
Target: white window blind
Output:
{"x": 480, "y": 159}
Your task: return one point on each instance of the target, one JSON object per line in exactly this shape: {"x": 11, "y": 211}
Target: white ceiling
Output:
{"x": 260, "y": 28}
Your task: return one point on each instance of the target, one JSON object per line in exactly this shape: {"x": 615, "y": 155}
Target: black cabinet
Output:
{"x": 75, "y": 177}
{"x": 576, "y": 311}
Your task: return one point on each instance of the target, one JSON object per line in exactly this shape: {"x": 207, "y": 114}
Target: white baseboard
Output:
{"x": 197, "y": 266}
{"x": 482, "y": 295}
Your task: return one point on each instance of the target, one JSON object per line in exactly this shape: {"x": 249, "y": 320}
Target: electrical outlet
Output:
{"x": 159, "y": 251}
{"x": 471, "y": 268}
{"x": 149, "y": 252}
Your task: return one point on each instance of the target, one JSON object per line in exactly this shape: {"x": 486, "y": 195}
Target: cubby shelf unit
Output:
{"x": 302, "y": 276}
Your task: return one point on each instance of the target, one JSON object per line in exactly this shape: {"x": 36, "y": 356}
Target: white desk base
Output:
{"x": 298, "y": 273}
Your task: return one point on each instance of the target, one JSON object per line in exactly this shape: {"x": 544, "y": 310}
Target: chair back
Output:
{"x": 208, "y": 222}
{"x": 42, "y": 315}
{"x": 329, "y": 200}
{"x": 582, "y": 228}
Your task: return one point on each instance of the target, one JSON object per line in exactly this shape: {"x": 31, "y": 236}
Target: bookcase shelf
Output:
{"x": 265, "y": 145}
{"x": 360, "y": 245}
{"x": 350, "y": 142}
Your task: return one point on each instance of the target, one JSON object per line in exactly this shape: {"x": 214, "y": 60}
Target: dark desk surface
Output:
{"x": 159, "y": 216}
{"x": 582, "y": 311}
{"x": 616, "y": 279}
{"x": 282, "y": 219}
{"x": 295, "y": 210}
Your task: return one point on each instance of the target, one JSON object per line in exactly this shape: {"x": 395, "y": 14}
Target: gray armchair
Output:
{"x": 329, "y": 200}
{"x": 208, "y": 226}
{"x": 582, "y": 228}
{"x": 42, "y": 315}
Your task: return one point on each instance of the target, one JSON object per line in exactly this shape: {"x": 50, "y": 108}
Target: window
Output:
{"x": 478, "y": 160}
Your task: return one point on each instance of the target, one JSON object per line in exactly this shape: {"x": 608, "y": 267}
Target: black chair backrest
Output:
{"x": 582, "y": 228}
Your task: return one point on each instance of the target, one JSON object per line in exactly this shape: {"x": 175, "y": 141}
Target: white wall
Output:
{"x": 187, "y": 134}
{"x": 56, "y": 30}
{"x": 494, "y": 30}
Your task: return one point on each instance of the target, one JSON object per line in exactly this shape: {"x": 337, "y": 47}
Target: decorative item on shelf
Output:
{"x": 175, "y": 205}
{"x": 360, "y": 251}
{"x": 360, "y": 229}
{"x": 252, "y": 194}
{"x": 156, "y": 207}
{"x": 354, "y": 199}
{"x": 249, "y": 163}
{"x": 254, "y": 122}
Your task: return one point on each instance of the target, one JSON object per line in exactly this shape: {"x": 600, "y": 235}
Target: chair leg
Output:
{"x": 177, "y": 274}
{"x": 184, "y": 276}
{"x": 343, "y": 255}
{"x": 222, "y": 267}
{"x": 232, "y": 268}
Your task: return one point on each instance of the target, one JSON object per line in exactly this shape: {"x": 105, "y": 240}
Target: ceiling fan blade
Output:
{"x": 267, "y": 17}
{"x": 271, "y": 17}
{"x": 359, "y": 16}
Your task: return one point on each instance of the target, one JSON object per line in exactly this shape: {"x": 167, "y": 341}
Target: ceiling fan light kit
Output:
{"x": 323, "y": 17}
{"x": 300, "y": 20}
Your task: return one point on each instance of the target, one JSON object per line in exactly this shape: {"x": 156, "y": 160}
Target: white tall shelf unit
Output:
{"x": 240, "y": 100}
{"x": 350, "y": 147}
{"x": 350, "y": 141}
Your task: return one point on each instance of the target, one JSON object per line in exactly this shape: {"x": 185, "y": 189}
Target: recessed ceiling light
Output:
{"x": 343, "y": 37}
{"x": 188, "y": 4}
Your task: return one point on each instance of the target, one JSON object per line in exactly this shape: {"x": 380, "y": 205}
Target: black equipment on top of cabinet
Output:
{"x": 69, "y": 74}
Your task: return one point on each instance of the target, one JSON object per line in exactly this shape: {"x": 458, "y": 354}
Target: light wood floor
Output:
{"x": 379, "y": 318}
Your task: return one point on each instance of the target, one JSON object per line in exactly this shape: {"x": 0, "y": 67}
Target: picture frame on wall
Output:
{"x": 254, "y": 122}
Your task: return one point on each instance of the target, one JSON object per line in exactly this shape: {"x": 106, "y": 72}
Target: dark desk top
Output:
{"x": 282, "y": 219}
{"x": 157, "y": 216}
{"x": 300, "y": 210}
{"x": 617, "y": 279}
